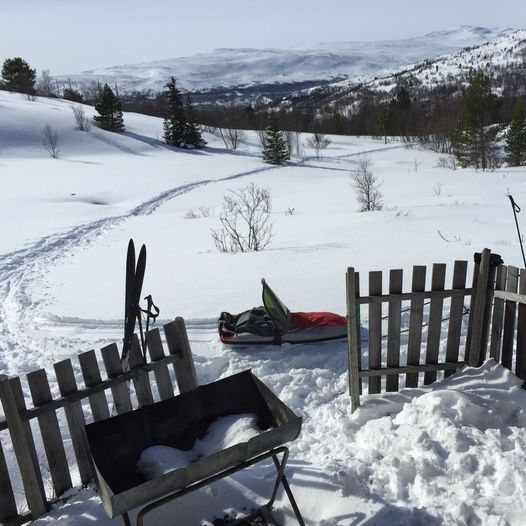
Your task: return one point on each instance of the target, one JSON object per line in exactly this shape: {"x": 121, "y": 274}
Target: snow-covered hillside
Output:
{"x": 452, "y": 453}
{"x": 228, "y": 68}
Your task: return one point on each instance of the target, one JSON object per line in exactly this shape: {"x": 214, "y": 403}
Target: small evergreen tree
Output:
{"x": 175, "y": 128}
{"x": 474, "y": 140}
{"x": 18, "y": 76}
{"x": 192, "y": 135}
{"x": 516, "y": 137}
{"x": 109, "y": 109}
{"x": 275, "y": 149}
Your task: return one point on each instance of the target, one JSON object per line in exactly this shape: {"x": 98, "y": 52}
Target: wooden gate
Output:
{"x": 381, "y": 349}
{"x": 43, "y": 412}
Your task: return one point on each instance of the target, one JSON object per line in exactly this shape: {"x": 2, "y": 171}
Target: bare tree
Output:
{"x": 50, "y": 141}
{"x": 82, "y": 120}
{"x": 46, "y": 86}
{"x": 367, "y": 187}
{"x": 245, "y": 220}
{"x": 262, "y": 137}
{"x": 318, "y": 142}
{"x": 231, "y": 137}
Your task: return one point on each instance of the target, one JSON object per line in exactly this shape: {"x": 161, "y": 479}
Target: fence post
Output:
{"x": 478, "y": 314}
{"x": 352, "y": 339}
{"x": 35, "y": 499}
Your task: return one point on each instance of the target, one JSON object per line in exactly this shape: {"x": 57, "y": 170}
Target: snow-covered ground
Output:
{"x": 452, "y": 453}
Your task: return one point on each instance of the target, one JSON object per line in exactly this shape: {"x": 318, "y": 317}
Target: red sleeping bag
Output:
{"x": 306, "y": 320}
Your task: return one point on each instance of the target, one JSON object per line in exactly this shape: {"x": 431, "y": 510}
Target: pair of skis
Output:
{"x": 132, "y": 310}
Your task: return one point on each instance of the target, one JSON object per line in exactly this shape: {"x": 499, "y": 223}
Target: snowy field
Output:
{"x": 453, "y": 453}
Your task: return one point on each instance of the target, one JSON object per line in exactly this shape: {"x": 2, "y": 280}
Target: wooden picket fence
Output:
{"x": 496, "y": 323}
{"x": 19, "y": 417}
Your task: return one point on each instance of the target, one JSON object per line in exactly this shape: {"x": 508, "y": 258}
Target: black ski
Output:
{"x": 134, "y": 281}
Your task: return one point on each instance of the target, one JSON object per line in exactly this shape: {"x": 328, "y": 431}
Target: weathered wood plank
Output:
{"x": 510, "y": 296}
{"x": 477, "y": 316}
{"x": 51, "y": 435}
{"x": 510, "y": 313}
{"x": 456, "y": 314}
{"x": 8, "y": 510}
{"x": 358, "y": 321}
{"x": 474, "y": 282}
{"x": 415, "y": 295}
{"x": 162, "y": 376}
{"x": 375, "y": 330}
{"x": 415, "y": 369}
{"x": 393, "y": 328}
{"x": 113, "y": 366}
{"x": 498, "y": 314}
{"x": 74, "y": 416}
{"x": 14, "y": 405}
{"x": 438, "y": 281}
{"x": 178, "y": 344}
{"x": 91, "y": 374}
{"x": 520, "y": 363}
{"x": 141, "y": 382}
{"x": 415, "y": 324}
{"x": 353, "y": 348}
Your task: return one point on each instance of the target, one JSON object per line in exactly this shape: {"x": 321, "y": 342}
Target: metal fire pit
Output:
{"x": 115, "y": 445}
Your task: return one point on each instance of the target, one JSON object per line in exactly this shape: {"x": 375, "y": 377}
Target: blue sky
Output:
{"x": 68, "y": 36}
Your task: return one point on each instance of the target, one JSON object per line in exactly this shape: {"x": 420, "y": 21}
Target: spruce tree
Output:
{"x": 192, "y": 135}
{"x": 474, "y": 139}
{"x": 109, "y": 109}
{"x": 18, "y": 76}
{"x": 516, "y": 137}
{"x": 275, "y": 149}
{"x": 175, "y": 127}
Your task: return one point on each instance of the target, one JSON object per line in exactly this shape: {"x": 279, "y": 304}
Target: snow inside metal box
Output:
{"x": 115, "y": 444}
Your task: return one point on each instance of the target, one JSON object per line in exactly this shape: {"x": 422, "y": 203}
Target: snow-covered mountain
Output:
{"x": 227, "y": 68}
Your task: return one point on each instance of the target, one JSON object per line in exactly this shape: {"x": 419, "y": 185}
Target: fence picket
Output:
{"x": 141, "y": 382}
{"x": 498, "y": 315}
{"x": 415, "y": 324}
{"x": 74, "y": 416}
{"x": 520, "y": 363}
{"x": 393, "y": 328}
{"x": 91, "y": 374}
{"x": 50, "y": 430}
{"x": 8, "y": 510}
{"x": 162, "y": 376}
{"x": 438, "y": 280}
{"x": 510, "y": 311}
{"x": 353, "y": 342}
{"x": 113, "y": 366}
{"x": 456, "y": 314}
{"x": 375, "y": 330}
{"x": 178, "y": 344}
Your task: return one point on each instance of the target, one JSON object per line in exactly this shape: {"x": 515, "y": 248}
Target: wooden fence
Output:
{"x": 494, "y": 308}
{"x": 19, "y": 417}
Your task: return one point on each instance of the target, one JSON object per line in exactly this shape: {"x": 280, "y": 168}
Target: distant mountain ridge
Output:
{"x": 248, "y": 68}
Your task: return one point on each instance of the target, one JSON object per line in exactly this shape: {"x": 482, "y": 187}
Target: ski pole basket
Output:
{"x": 115, "y": 445}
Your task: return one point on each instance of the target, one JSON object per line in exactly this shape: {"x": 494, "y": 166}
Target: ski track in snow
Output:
{"x": 18, "y": 269}
{"x": 20, "y": 350}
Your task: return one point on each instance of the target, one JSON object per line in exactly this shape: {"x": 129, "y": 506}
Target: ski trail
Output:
{"x": 20, "y": 350}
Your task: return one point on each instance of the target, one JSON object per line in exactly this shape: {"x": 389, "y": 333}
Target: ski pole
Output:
{"x": 516, "y": 209}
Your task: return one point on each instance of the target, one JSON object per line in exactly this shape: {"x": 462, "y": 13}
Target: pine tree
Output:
{"x": 474, "y": 139}
{"x": 18, "y": 76}
{"x": 275, "y": 149}
{"x": 109, "y": 109}
{"x": 175, "y": 127}
{"x": 192, "y": 135}
{"x": 516, "y": 137}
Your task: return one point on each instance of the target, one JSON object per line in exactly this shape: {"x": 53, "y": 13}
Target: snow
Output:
{"x": 223, "y": 433}
{"x": 450, "y": 453}
{"x": 249, "y": 67}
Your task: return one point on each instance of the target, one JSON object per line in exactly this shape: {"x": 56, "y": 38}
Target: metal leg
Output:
{"x": 126, "y": 519}
{"x": 280, "y": 479}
